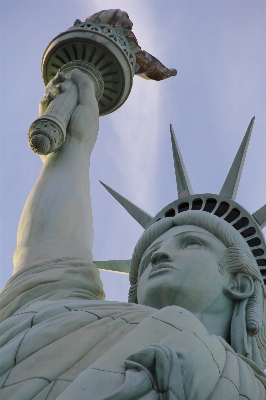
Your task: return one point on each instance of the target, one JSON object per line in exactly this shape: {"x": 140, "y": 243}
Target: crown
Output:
{"x": 223, "y": 205}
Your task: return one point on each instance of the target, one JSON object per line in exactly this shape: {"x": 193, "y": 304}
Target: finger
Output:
{"x": 61, "y": 87}
{"x": 60, "y": 77}
{"x": 50, "y": 96}
{"x": 54, "y": 90}
{"x": 85, "y": 87}
{"x": 45, "y": 101}
{"x": 43, "y": 106}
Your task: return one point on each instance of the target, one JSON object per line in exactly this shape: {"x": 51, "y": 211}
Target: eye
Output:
{"x": 147, "y": 259}
{"x": 145, "y": 262}
{"x": 192, "y": 243}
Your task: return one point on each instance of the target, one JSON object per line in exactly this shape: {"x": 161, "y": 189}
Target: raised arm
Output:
{"x": 57, "y": 218}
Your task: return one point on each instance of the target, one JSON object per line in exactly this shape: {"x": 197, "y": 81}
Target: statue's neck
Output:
{"x": 217, "y": 322}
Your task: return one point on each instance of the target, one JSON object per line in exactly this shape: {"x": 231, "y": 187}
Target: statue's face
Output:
{"x": 181, "y": 268}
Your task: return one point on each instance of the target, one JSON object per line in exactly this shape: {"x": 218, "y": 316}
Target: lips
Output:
{"x": 160, "y": 267}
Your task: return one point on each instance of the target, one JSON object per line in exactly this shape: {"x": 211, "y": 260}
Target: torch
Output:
{"x": 97, "y": 49}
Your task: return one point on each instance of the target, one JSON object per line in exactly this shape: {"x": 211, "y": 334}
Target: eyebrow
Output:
{"x": 194, "y": 232}
{"x": 196, "y": 239}
{"x": 152, "y": 247}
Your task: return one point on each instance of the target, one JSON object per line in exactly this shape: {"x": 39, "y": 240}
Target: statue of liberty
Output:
{"x": 194, "y": 326}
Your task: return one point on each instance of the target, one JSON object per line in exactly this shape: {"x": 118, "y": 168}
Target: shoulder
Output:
{"x": 179, "y": 318}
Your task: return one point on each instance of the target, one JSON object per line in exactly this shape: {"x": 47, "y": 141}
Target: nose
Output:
{"x": 159, "y": 257}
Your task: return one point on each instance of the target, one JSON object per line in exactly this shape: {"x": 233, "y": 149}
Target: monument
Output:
{"x": 194, "y": 326}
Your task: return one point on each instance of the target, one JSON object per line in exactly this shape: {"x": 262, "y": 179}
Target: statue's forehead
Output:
{"x": 184, "y": 231}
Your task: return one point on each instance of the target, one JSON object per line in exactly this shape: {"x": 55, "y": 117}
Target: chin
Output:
{"x": 158, "y": 296}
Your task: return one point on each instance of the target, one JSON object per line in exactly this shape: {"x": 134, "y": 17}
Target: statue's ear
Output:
{"x": 240, "y": 287}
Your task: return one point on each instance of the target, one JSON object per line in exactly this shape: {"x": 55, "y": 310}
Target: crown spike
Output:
{"x": 231, "y": 183}
{"x": 260, "y": 216}
{"x": 182, "y": 181}
{"x": 137, "y": 213}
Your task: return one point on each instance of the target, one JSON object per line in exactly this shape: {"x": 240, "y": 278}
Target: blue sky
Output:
{"x": 218, "y": 48}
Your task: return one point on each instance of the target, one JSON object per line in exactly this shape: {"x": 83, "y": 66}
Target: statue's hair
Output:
{"x": 237, "y": 258}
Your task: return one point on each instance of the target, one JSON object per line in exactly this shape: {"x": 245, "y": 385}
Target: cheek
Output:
{"x": 213, "y": 281}
{"x": 209, "y": 266}
{"x": 200, "y": 261}
{"x": 142, "y": 283}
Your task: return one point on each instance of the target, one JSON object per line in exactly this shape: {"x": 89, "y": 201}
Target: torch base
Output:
{"x": 46, "y": 135}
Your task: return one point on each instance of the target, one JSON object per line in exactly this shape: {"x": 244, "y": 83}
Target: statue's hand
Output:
{"x": 153, "y": 372}
{"x": 54, "y": 87}
{"x": 84, "y": 122}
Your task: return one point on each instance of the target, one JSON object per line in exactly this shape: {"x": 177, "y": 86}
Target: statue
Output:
{"x": 103, "y": 47}
{"x": 194, "y": 327}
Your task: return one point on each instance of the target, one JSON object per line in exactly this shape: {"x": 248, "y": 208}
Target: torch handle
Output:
{"x": 48, "y": 133}
{"x": 64, "y": 103}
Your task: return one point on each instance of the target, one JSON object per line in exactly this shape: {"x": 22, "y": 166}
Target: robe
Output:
{"x": 59, "y": 340}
